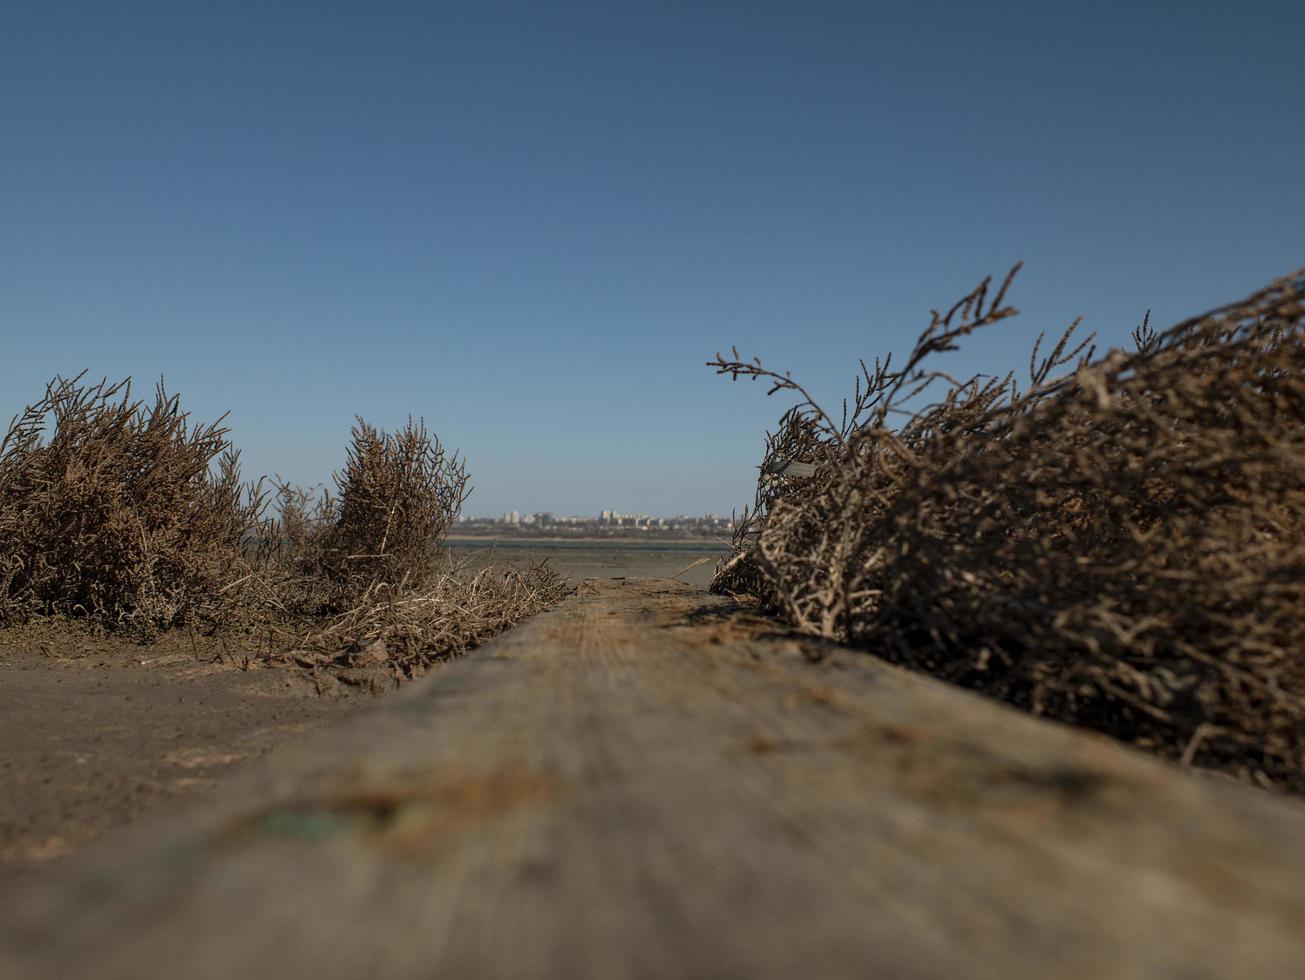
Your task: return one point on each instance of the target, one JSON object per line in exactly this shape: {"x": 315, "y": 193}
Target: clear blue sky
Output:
{"x": 533, "y": 222}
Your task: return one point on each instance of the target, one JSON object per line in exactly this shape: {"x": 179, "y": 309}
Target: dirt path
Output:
{"x": 640, "y": 783}
{"x": 91, "y": 738}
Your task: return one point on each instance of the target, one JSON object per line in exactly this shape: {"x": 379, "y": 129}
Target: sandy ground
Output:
{"x": 96, "y": 732}
{"x": 91, "y": 737}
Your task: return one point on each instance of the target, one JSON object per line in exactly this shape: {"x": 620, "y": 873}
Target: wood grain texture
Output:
{"x": 635, "y": 784}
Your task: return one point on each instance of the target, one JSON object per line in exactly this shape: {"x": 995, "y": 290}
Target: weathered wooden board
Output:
{"x": 633, "y": 785}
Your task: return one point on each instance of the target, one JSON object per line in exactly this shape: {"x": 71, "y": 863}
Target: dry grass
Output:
{"x": 405, "y": 629}
{"x": 1121, "y": 547}
{"x": 130, "y": 516}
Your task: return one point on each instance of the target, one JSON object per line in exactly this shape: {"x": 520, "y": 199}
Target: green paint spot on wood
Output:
{"x": 302, "y": 824}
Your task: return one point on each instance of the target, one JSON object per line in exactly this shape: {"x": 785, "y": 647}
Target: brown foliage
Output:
{"x": 1122, "y": 547}
{"x": 406, "y": 629}
{"x": 365, "y": 576}
{"x": 386, "y": 523}
{"x": 399, "y": 495}
{"x": 128, "y": 513}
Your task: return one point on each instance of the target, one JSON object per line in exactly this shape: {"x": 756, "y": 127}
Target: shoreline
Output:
{"x": 622, "y": 539}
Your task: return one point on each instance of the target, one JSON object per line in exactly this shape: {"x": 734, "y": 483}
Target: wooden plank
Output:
{"x": 636, "y": 784}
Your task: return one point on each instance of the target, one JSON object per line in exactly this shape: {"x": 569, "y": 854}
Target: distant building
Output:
{"x": 608, "y": 523}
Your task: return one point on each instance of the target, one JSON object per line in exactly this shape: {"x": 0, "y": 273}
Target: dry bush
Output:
{"x": 1122, "y": 547}
{"x": 294, "y": 585}
{"x": 399, "y": 495}
{"x": 361, "y": 580}
{"x": 127, "y": 513}
{"x": 386, "y": 522}
{"x": 131, "y": 516}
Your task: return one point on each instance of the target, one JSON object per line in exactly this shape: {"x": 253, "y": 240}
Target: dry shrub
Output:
{"x": 1122, "y": 547}
{"x": 386, "y": 522}
{"x": 399, "y": 495}
{"x": 362, "y": 577}
{"x": 294, "y": 586}
{"x": 128, "y": 513}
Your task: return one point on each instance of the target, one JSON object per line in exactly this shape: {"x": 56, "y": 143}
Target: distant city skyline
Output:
{"x": 532, "y": 224}
{"x": 605, "y": 516}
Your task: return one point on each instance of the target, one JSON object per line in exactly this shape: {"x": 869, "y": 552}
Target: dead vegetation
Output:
{"x": 1120, "y": 545}
{"x": 128, "y": 515}
{"x": 396, "y": 631}
{"x": 367, "y": 577}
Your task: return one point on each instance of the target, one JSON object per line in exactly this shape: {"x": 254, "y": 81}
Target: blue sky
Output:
{"x": 532, "y": 223}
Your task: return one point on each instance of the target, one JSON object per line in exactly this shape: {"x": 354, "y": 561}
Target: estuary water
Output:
{"x": 602, "y": 558}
